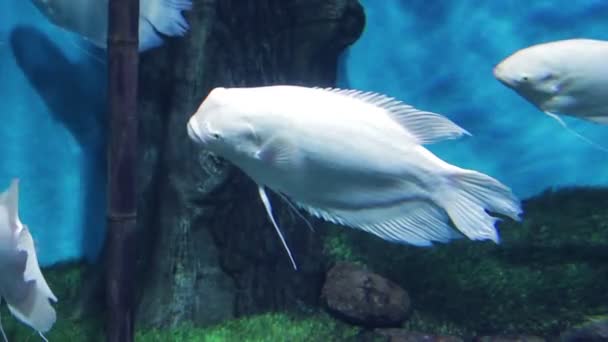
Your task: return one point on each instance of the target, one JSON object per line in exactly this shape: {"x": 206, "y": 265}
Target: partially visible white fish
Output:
{"x": 22, "y": 284}
{"x": 89, "y": 18}
{"x": 567, "y": 77}
{"x": 352, "y": 158}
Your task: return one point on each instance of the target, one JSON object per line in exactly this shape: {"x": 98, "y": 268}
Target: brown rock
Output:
{"x": 595, "y": 330}
{"x": 362, "y": 297}
{"x": 521, "y": 338}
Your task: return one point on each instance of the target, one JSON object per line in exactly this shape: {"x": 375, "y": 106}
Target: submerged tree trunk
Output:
{"x": 122, "y": 213}
{"x": 209, "y": 251}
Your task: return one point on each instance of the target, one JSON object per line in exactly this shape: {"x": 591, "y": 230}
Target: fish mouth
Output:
{"x": 193, "y": 133}
{"x": 499, "y": 74}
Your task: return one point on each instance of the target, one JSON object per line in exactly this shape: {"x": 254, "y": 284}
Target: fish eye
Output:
{"x": 215, "y": 135}
{"x": 524, "y": 78}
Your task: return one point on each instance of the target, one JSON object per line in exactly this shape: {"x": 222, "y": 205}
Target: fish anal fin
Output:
{"x": 414, "y": 221}
{"x": 268, "y": 207}
{"x": 425, "y": 127}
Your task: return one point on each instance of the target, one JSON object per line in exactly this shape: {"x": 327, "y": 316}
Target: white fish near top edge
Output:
{"x": 89, "y": 18}
{"x": 22, "y": 284}
{"x": 564, "y": 77}
{"x": 352, "y": 158}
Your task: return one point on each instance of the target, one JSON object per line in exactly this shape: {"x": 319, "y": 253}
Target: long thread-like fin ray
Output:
{"x": 575, "y": 133}
{"x": 268, "y": 207}
{"x": 295, "y": 210}
{"x": 2, "y": 331}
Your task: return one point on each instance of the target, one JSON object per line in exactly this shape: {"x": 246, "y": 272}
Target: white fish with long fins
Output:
{"x": 352, "y": 158}
{"x": 22, "y": 284}
{"x": 565, "y": 77}
{"x": 89, "y": 18}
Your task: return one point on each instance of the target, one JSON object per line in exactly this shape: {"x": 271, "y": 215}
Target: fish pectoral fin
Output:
{"x": 575, "y": 133}
{"x": 268, "y": 206}
{"x": 425, "y": 127}
{"x": 414, "y": 222}
{"x": 278, "y": 151}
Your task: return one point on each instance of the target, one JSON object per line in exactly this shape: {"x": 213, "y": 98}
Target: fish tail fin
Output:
{"x": 575, "y": 133}
{"x": 166, "y": 15}
{"x": 468, "y": 194}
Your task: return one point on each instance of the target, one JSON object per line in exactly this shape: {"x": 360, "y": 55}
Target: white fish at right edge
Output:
{"x": 564, "y": 77}
{"x": 352, "y": 158}
{"x": 22, "y": 284}
{"x": 89, "y": 19}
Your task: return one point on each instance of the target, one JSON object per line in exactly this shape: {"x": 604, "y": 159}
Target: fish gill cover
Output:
{"x": 53, "y": 98}
{"x": 439, "y": 56}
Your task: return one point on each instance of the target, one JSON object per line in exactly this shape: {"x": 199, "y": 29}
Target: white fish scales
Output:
{"x": 352, "y": 158}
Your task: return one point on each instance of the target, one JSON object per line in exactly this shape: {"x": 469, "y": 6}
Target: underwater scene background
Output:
{"x": 211, "y": 268}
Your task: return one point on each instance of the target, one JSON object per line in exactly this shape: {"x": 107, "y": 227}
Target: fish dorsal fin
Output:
{"x": 425, "y": 127}
{"x": 268, "y": 207}
{"x": 575, "y": 133}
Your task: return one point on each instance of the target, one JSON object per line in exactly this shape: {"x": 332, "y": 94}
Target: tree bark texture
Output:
{"x": 209, "y": 252}
{"x": 123, "y": 62}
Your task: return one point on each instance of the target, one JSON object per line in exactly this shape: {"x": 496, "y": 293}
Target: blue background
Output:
{"x": 435, "y": 55}
{"x": 51, "y": 137}
{"x": 439, "y": 56}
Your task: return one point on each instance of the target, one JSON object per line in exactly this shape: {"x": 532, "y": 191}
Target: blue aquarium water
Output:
{"x": 436, "y": 56}
{"x": 439, "y": 56}
{"x": 52, "y": 137}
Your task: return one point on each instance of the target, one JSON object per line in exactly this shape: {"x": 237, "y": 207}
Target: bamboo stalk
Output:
{"x": 123, "y": 62}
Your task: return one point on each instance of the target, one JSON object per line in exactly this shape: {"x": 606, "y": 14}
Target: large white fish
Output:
{"x": 22, "y": 284}
{"x": 89, "y": 18}
{"x": 352, "y": 158}
{"x": 567, "y": 77}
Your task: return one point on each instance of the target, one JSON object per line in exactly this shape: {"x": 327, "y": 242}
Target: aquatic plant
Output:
{"x": 264, "y": 327}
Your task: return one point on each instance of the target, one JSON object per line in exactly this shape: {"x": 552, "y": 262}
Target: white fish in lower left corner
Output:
{"x": 89, "y": 18}
{"x": 22, "y": 284}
